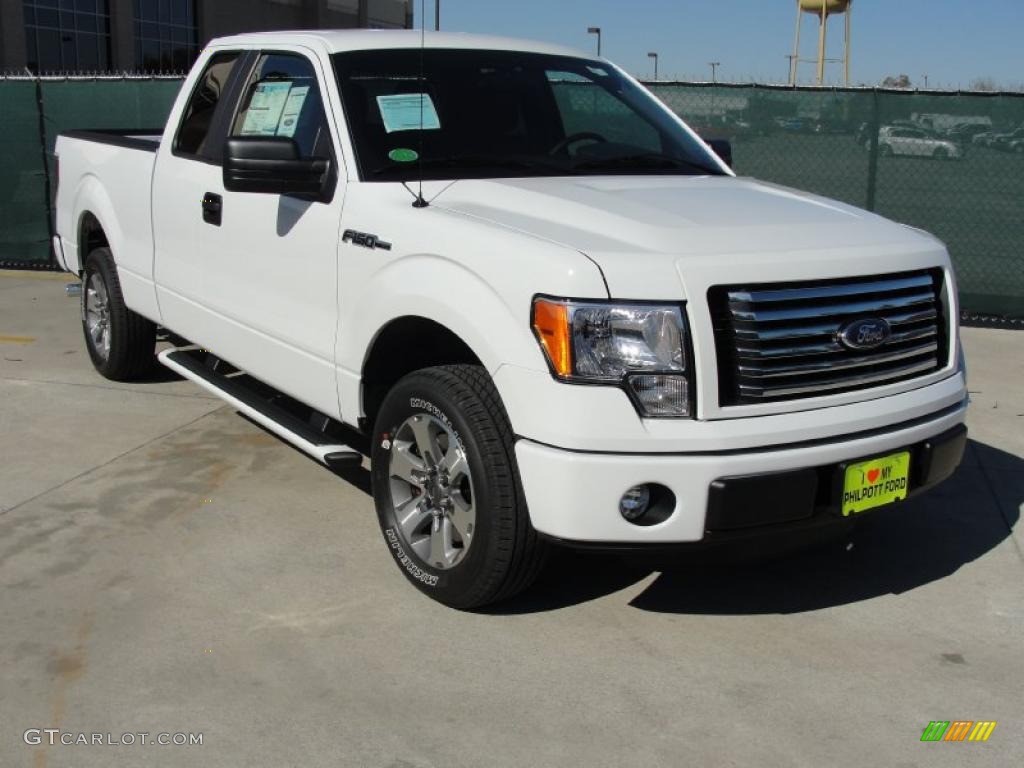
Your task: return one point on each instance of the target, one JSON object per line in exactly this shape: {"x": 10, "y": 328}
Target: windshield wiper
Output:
{"x": 644, "y": 161}
{"x": 476, "y": 161}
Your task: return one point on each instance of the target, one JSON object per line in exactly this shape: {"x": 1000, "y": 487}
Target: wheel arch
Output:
{"x": 90, "y": 235}
{"x": 403, "y": 345}
{"x": 94, "y": 222}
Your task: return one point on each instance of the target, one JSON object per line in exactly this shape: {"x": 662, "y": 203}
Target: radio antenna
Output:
{"x": 420, "y": 201}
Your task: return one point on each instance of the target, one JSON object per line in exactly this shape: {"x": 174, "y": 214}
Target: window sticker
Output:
{"x": 292, "y": 110}
{"x": 264, "y": 112}
{"x": 402, "y": 111}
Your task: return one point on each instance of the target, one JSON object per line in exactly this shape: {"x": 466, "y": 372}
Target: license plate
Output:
{"x": 870, "y": 484}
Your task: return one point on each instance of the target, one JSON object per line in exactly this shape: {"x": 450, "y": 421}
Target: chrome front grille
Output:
{"x": 781, "y": 341}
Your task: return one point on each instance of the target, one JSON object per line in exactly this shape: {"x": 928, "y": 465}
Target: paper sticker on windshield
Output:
{"x": 292, "y": 110}
{"x": 404, "y": 155}
{"x": 264, "y": 112}
{"x": 403, "y": 112}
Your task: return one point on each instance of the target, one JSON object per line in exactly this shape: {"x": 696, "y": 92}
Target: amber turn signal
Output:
{"x": 551, "y": 324}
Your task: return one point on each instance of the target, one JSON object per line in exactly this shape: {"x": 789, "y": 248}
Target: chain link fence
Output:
{"x": 36, "y": 110}
{"x": 949, "y": 163}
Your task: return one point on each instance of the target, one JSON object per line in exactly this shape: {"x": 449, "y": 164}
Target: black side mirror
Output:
{"x": 272, "y": 164}
{"x": 722, "y": 148}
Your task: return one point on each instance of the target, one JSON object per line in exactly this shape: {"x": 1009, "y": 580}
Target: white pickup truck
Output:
{"x": 544, "y": 308}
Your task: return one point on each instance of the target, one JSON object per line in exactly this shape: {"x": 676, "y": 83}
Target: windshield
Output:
{"x": 495, "y": 114}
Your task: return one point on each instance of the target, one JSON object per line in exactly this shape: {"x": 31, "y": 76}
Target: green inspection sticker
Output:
{"x": 404, "y": 155}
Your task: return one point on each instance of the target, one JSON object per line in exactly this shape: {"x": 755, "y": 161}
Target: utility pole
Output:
{"x": 714, "y": 70}
{"x": 437, "y": 15}
{"x": 925, "y": 76}
{"x": 592, "y": 31}
{"x": 821, "y": 43}
{"x": 792, "y": 68}
{"x": 654, "y": 56}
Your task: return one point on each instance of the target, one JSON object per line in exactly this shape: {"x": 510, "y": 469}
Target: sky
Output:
{"x": 952, "y": 41}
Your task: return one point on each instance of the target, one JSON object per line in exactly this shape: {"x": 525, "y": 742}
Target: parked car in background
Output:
{"x": 915, "y": 142}
{"x": 1007, "y": 141}
{"x": 966, "y": 132}
{"x": 985, "y": 138}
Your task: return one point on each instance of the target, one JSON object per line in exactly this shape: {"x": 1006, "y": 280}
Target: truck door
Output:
{"x": 270, "y": 270}
{"x": 186, "y": 167}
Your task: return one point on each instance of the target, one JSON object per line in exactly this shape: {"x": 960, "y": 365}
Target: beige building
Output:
{"x": 161, "y": 35}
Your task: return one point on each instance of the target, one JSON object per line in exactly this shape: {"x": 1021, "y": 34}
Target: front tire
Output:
{"x": 447, "y": 490}
{"x": 121, "y": 343}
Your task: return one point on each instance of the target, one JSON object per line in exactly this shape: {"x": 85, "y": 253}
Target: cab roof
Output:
{"x": 340, "y": 40}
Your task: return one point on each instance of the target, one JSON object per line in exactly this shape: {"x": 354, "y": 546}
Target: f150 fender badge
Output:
{"x": 866, "y": 333}
{"x": 364, "y": 239}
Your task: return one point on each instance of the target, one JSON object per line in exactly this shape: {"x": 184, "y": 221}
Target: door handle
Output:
{"x": 213, "y": 205}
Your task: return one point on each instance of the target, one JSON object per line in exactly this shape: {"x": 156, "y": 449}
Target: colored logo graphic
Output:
{"x": 958, "y": 730}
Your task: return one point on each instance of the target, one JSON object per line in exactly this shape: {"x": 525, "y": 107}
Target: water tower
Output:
{"x": 821, "y": 10}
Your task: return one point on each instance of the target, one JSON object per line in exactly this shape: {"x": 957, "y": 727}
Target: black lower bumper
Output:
{"x": 744, "y": 503}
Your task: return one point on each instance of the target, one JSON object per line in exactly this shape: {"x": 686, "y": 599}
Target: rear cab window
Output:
{"x": 194, "y": 136}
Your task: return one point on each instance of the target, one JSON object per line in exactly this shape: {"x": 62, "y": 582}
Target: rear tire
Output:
{"x": 447, "y": 490}
{"x": 121, "y": 343}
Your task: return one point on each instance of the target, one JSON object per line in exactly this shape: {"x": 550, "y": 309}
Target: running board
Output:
{"x": 264, "y": 412}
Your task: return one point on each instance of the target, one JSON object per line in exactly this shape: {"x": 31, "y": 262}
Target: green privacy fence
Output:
{"x": 950, "y": 163}
{"x": 34, "y": 111}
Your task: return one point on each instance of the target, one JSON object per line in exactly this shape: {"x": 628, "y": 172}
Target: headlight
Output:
{"x": 640, "y": 347}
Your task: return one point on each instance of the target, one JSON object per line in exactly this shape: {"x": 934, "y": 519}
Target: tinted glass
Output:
{"x": 195, "y": 125}
{"x": 283, "y": 99}
{"x": 490, "y": 114}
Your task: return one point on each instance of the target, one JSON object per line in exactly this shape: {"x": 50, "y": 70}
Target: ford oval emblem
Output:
{"x": 866, "y": 333}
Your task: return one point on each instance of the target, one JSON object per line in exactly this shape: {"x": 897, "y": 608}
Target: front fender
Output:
{"x": 442, "y": 290}
{"x": 436, "y": 289}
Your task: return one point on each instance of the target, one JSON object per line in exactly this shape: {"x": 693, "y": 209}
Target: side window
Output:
{"x": 282, "y": 98}
{"x": 198, "y": 115}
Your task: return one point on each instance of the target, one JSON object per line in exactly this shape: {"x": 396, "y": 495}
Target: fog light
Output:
{"x": 634, "y": 502}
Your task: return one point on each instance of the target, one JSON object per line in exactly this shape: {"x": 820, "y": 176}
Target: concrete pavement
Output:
{"x": 166, "y": 566}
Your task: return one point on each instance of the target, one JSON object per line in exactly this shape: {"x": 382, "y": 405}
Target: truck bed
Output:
{"x": 109, "y": 174}
{"x": 146, "y": 140}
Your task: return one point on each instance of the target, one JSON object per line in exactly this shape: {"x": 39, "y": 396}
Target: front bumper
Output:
{"x": 574, "y": 496}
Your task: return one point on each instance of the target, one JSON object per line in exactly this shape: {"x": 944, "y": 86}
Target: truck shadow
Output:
{"x": 895, "y": 551}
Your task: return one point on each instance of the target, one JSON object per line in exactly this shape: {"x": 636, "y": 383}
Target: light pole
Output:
{"x": 792, "y": 69}
{"x": 653, "y": 55}
{"x": 437, "y": 15}
{"x": 925, "y": 81}
{"x": 714, "y": 70}
{"x": 592, "y": 31}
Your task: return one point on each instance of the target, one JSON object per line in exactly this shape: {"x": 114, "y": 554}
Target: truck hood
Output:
{"x": 640, "y": 229}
